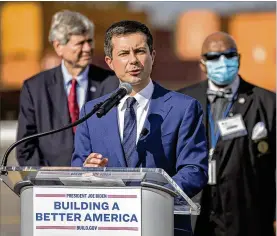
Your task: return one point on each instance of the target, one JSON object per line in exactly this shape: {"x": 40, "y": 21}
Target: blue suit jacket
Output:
{"x": 176, "y": 141}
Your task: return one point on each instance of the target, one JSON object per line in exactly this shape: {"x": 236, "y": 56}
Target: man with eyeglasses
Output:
{"x": 240, "y": 121}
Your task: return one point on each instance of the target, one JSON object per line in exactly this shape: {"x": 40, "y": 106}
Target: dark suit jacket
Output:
{"x": 243, "y": 201}
{"x": 43, "y": 107}
{"x": 176, "y": 141}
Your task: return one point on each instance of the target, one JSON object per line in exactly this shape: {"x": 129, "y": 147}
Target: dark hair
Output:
{"x": 123, "y": 28}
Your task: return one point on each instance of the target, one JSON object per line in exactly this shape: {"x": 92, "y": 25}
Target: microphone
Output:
{"x": 114, "y": 99}
{"x": 3, "y": 170}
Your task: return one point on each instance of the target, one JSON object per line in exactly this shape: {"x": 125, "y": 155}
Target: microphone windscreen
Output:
{"x": 126, "y": 86}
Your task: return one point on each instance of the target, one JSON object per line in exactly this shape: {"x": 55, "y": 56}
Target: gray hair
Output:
{"x": 66, "y": 23}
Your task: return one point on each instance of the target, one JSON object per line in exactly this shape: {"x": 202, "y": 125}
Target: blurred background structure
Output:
{"x": 178, "y": 28}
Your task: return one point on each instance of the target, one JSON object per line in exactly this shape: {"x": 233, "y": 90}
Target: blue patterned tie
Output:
{"x": 130, "y": 130}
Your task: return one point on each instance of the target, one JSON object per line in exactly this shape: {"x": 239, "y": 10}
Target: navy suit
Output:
{"x": 175, "y": 142}
{"x": 43, "y": 107}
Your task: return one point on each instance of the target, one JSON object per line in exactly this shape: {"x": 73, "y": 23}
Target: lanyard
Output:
{"x": 215, "y": 136}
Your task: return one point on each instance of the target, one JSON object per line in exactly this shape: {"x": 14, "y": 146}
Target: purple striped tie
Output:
{"x": 130, "y": 130}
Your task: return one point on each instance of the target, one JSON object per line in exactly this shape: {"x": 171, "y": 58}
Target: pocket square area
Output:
{"x": 259, "y": 131}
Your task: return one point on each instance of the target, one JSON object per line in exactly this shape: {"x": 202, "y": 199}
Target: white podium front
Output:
{"x": 94, "y": 201}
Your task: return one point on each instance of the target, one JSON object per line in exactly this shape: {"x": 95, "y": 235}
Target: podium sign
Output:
{"x": 105, "y": 211}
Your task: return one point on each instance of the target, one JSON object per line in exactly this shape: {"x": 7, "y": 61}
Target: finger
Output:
{"x": 101, "y": 162}
{"x": 95, "y": 155}
{"x": 92, "y": 156}
{"x": 94, "y": 161}
{"x": 104, "y": 162}
{"x": 91, "y": 165}
{"x": 98, "y": 155}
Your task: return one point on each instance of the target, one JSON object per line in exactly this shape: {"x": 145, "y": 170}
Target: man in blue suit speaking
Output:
{"x": 152, "y": 127}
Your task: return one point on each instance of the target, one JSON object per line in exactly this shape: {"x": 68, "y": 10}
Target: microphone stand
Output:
{"x": 3, "y": 169}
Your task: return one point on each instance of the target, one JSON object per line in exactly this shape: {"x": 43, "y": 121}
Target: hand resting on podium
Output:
{"x": 95, "y": 160}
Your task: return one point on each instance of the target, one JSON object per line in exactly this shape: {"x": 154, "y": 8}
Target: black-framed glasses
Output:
{"x": 213, "y": 56}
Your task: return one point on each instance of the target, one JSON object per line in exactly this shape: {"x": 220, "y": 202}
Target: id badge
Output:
{"x": 212, "y": 172}
{"x": 232, "y": 127}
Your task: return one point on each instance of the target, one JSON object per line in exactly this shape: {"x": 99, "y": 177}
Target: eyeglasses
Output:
{"x": 213, "y": 56}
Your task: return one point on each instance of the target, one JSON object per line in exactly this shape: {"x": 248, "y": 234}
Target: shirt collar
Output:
{"x": 234, "y": 86}
{"x": 142, "y": 97}
{"x": 81, "y": 78}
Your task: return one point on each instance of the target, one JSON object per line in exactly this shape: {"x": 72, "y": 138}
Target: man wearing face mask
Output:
{"x": 240, "y": 121}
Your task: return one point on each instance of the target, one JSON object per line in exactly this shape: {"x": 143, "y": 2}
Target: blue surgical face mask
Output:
{"x": 222, "y": 71}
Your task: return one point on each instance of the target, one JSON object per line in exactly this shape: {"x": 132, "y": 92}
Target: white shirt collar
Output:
{"x": 81, "y": 78}
{"x": 234, "y": 86}
{"x": 142, "y": 97}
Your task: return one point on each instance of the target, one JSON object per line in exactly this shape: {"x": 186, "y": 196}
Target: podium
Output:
{"x": 80, "y": 201}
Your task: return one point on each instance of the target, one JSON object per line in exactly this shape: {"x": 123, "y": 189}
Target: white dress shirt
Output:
{"x": 234, "y": 86}
{"x": 82, "y": 86}
{"x": 141, "y": 108}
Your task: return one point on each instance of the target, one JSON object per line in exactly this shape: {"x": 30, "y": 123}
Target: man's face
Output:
{"x": 131, "y": 59}
{"x": 220, "y": 60}
{"x": 215, "y": 47}
{"x": 78, "y": 51}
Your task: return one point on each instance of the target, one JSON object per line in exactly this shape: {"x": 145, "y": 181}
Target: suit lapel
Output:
{"x": 157, "y": 108}
{"x": 113, "y": 136}
{"x": 58, "y": 96}
{"x": 244, "y": 100}
{"x": 202, "y": 99}
{"x": 241, "y": 106}
{"x": 93, "y": 90}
